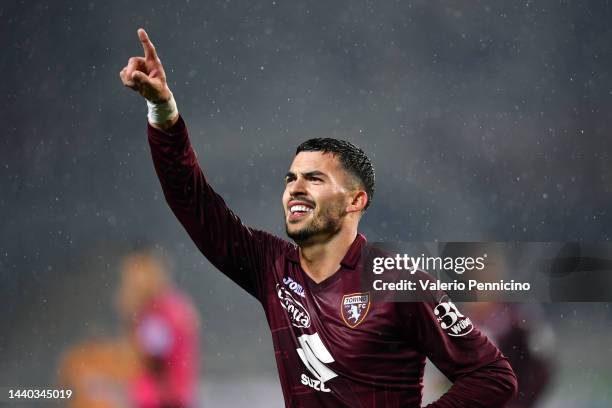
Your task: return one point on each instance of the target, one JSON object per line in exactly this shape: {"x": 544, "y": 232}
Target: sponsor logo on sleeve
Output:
{"x": 354, "y": 308}
{"x": 297, "y": 312}
{"x": 451, "y": 320}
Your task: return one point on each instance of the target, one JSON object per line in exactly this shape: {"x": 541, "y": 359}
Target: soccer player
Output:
{"x": 163, "y": 328}
{"x": 334, "y": 345}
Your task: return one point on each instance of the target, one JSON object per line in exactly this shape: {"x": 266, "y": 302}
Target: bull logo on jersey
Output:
{"x": 451, "y": 320}
{"x": 354, "y": 308}
{"x": 297, "y": 312}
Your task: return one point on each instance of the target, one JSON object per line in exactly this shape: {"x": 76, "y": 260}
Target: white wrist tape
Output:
{"x": 161, "y": 112}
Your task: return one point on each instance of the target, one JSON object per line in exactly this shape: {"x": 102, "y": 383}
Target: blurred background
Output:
{"x": 485, "y": 121}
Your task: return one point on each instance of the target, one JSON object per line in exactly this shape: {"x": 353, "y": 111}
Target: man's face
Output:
{"x": 315, "y": 198}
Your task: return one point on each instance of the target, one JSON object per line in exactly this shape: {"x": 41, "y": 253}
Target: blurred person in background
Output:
{"x": 163, "y": 328}
{"x": 522, "y": 333}
{"x": 153, "y": 363}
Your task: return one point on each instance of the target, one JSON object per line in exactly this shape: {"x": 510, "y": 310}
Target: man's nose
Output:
{"x": 297, "y": 187}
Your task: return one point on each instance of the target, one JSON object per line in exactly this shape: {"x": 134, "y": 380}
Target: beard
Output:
{"x": 326, "y": 224}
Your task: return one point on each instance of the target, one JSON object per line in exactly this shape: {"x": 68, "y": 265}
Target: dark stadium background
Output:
{"x": 486, "y": 121}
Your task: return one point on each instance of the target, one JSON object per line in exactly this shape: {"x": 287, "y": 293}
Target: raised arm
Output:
{"x": 236, "y": 250}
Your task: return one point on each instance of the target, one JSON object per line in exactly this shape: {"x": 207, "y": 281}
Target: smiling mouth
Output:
{"x": 299, "y": 211}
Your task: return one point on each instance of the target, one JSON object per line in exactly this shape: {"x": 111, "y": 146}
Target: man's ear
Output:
{"x": 359, "y": 199}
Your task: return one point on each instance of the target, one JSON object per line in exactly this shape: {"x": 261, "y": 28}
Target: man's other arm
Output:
{"x": 481, "y": 375}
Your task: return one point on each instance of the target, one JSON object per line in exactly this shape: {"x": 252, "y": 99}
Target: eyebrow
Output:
{"x": 314, "y": 173}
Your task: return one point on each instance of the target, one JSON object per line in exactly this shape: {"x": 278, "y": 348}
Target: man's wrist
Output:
{"x": 162, "y": 115}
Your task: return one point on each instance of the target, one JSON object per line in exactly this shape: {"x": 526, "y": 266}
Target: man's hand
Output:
{"x": 146, "y": 75}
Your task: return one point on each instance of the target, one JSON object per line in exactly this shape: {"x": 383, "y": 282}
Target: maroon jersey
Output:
{"x": 335, "y": 345}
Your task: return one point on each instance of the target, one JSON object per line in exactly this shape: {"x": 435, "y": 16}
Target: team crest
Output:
{"x": 355, "y": 308}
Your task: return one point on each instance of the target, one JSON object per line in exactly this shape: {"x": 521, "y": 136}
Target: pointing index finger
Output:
{"x": 149, "y": 49}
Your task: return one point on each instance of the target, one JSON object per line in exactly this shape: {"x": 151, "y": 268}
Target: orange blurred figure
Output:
{"x": 97, "y": 372}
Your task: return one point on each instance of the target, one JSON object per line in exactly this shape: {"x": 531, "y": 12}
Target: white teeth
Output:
{"x": 301, "y": 208}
